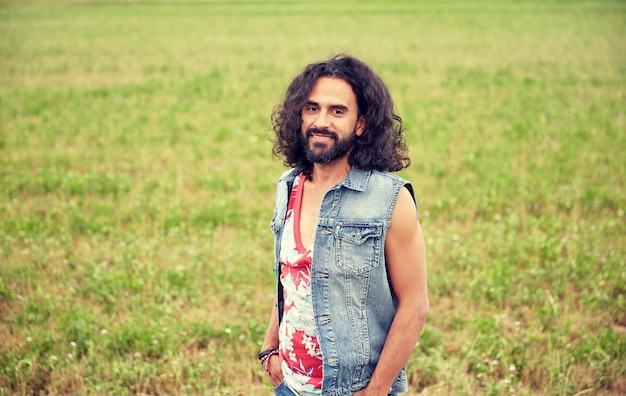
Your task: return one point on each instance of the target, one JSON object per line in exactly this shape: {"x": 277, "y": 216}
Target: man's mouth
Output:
{"x": 321, "y": 136}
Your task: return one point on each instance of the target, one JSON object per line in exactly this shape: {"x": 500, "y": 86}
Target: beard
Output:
{"x": 319, "y": 153}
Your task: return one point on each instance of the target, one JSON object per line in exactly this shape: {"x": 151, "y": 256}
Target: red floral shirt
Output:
{"x": 301, "y": 357}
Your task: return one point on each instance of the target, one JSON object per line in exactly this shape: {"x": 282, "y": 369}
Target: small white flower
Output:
{"x": 103, "y": 331}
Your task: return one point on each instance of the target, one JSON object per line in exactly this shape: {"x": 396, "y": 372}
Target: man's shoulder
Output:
{"x": 387, "y": 176}
{"x": 391, "y": 181}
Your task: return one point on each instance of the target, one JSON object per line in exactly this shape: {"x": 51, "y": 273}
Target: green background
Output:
{"x": 137, "y": 183}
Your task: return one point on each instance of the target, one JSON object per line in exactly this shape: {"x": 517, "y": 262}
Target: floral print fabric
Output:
{"x": 301, "y": 357}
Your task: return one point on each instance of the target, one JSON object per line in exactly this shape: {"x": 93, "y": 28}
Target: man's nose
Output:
{"x": 322, "y": 121}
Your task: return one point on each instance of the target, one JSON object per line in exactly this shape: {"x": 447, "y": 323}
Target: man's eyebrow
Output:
{"x": 332, "y": 106}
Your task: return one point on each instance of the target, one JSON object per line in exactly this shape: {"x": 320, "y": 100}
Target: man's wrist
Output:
{"x": 264, "y": 358}
{"x": 267, "y": 352}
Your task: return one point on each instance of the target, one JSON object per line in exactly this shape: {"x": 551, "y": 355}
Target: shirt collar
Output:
{"x": 357, "y": 179}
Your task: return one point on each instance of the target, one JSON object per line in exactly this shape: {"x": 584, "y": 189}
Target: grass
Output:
{"x": 137, "y": 187}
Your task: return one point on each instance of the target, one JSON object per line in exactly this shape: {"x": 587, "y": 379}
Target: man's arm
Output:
{"x": 271, "y": 342}
{"x": 406, "y": 264}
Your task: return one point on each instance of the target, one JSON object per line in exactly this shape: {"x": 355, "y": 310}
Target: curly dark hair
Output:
{"x": 381, "y": 146}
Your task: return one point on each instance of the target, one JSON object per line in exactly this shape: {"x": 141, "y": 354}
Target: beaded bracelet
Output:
{"x": 265, "y": 356}
{"x": 266, "y": 352}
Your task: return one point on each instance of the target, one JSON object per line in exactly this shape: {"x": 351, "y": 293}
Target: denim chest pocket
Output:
{"x": 358, "y": 246}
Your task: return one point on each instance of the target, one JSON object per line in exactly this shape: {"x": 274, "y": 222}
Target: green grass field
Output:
{"x": 137, "y": 184}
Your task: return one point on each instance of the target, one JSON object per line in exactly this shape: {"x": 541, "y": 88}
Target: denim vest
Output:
{"x": 353, "y": 302}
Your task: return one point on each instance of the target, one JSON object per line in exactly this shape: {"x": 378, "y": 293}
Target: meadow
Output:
{"x": 137, "y": 186}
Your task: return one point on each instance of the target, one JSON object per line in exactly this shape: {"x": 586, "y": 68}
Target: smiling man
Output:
{"x": 350, "y": 261}
{"x": 331, "y": 103}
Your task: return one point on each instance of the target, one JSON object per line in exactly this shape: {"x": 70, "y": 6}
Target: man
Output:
{"x": 350, "y": 258}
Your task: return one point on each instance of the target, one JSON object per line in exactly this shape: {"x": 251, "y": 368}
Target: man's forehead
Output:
{"x": 334, "y": 90}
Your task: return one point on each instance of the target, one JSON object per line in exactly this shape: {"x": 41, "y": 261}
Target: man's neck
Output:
{"x": 326, "y": 176}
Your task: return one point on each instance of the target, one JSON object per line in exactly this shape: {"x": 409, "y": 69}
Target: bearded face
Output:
{"x": 323, "y": 146}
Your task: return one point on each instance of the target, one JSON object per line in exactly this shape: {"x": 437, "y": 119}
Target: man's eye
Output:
{"x": 311, "y": 109}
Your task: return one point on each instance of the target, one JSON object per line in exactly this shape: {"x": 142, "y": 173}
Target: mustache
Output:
{"x": 324, "y": 131}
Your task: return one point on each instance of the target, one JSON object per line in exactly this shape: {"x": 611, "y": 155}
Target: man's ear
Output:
{"x": 361, "y": 123}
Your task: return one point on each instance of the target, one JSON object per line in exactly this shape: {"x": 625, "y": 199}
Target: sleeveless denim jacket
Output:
{"x": 353, "y": 301}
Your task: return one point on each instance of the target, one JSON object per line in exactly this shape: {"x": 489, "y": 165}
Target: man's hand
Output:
{"x": 274, "y": 371}
{"x": 370, "y": 392}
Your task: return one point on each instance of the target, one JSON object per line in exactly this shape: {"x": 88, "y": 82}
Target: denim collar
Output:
{"x": 357, "y": 179}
